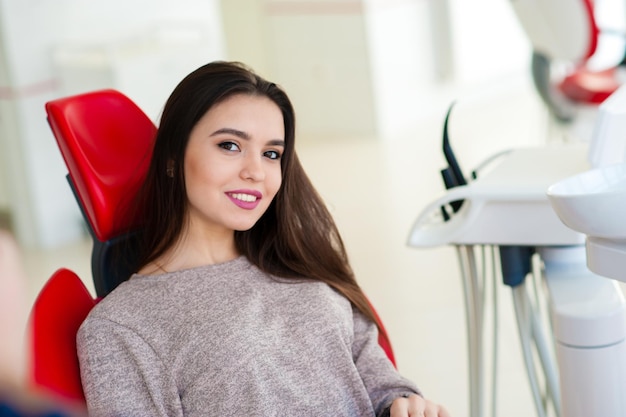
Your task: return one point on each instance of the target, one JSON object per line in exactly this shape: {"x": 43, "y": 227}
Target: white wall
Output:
{"x": 402, "y": 57}
{"x": 488, "y": 41}
{"x": 370, "y": 68}
{"x": 348, "y": 65}
{"x": 32, "y": 32}
{"x": 319, "y": 52}
{"x": 354, "y": 68}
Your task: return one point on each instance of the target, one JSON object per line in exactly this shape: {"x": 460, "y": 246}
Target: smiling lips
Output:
{"x": 246, "y": 199}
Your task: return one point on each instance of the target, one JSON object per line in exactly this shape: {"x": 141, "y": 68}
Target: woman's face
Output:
{"x": 232, "y": 164}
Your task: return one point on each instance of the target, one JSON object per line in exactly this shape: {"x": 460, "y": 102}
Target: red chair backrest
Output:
{"x": 60, "y": 308}
{"x": 106, "y": 142}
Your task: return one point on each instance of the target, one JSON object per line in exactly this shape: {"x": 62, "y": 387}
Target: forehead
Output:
{"x": 246, "y": 112}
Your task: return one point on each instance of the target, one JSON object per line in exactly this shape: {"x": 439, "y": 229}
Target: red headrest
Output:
{"x": 106, "y": 142}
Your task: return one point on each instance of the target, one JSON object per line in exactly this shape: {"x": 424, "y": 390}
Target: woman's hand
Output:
{"x": 416, "y": 406}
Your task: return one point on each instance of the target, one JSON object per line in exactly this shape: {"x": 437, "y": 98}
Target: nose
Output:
{"x": 252, "y": 168}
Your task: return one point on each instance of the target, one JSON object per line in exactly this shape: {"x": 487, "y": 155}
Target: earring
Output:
{"x": 170, "y": 172}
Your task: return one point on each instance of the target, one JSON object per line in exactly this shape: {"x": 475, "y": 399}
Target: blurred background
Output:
{"x": 354, "y": 69}
{"x": 371, "y": 81}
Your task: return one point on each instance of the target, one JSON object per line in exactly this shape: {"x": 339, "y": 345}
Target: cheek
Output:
{"x": 194, "y": 176}
{"x": 192, "y": 165}
{"x": 275, "y": 183}
{"x": 201, "y": 185}
{"x": 201, "y": 170}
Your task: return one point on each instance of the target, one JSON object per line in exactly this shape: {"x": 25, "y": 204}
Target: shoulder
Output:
{"x": 158, "y": 295}
{"x": 128, "y": 306}
{"x": 131, "y": 315}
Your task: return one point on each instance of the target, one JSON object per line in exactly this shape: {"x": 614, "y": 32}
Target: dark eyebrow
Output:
{"x": 231, "y": 131}
{"x": 245, "y": 136}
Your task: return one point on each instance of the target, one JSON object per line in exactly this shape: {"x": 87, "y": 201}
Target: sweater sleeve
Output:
{"x": 121, "y": 374}
{"x": 382, "y": 381}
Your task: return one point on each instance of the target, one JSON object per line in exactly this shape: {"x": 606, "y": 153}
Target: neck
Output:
{"x": 193, "y": 250}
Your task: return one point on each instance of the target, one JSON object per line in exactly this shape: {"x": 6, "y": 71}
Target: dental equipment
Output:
{"x": 571, "y": 322}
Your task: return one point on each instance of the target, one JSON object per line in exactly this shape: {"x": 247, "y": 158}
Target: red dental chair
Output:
{"x": 106, "y": 142}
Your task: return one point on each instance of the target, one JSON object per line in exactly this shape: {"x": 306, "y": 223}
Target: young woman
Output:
{"x": 243, "y": 302}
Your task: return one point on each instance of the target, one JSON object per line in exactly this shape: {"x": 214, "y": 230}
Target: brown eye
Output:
{"x": 229, "y": 146}
{"x": 272, "y": 154}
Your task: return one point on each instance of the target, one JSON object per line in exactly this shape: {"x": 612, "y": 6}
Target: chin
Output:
{"x": 244, "y": 224}
{"x": 243, "y": 227}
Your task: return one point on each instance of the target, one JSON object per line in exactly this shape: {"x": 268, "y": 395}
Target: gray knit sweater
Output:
{"x": 230, "y": 340}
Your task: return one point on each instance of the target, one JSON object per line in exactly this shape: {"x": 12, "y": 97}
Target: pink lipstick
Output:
{"x": 246, "y": 199}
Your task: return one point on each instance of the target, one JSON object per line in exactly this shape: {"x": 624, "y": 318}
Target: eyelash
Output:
{"x": 228, "y": 146}
{"x": 277, "y": 155}
{"x": 271, "y": 154}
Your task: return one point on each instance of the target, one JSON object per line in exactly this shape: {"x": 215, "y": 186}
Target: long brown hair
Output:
{"x": 296, "y": 237}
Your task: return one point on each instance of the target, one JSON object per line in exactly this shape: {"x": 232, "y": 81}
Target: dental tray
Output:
{"x": 508, "y": 204}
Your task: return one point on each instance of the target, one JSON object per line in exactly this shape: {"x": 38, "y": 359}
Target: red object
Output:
{"x": 106, "y": 142}
{"x": 60, "y": 308}
{"x": 593, "y": 28}
{"x": 383, "y": 338}
{"x": 584, "y": 86}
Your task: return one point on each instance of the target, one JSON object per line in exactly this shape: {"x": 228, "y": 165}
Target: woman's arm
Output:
{"x": 391, "y": 394}
{"x": 121, "y": 374}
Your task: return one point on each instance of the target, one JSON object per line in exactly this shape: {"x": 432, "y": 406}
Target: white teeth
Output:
{"x": 244, "y": 197}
